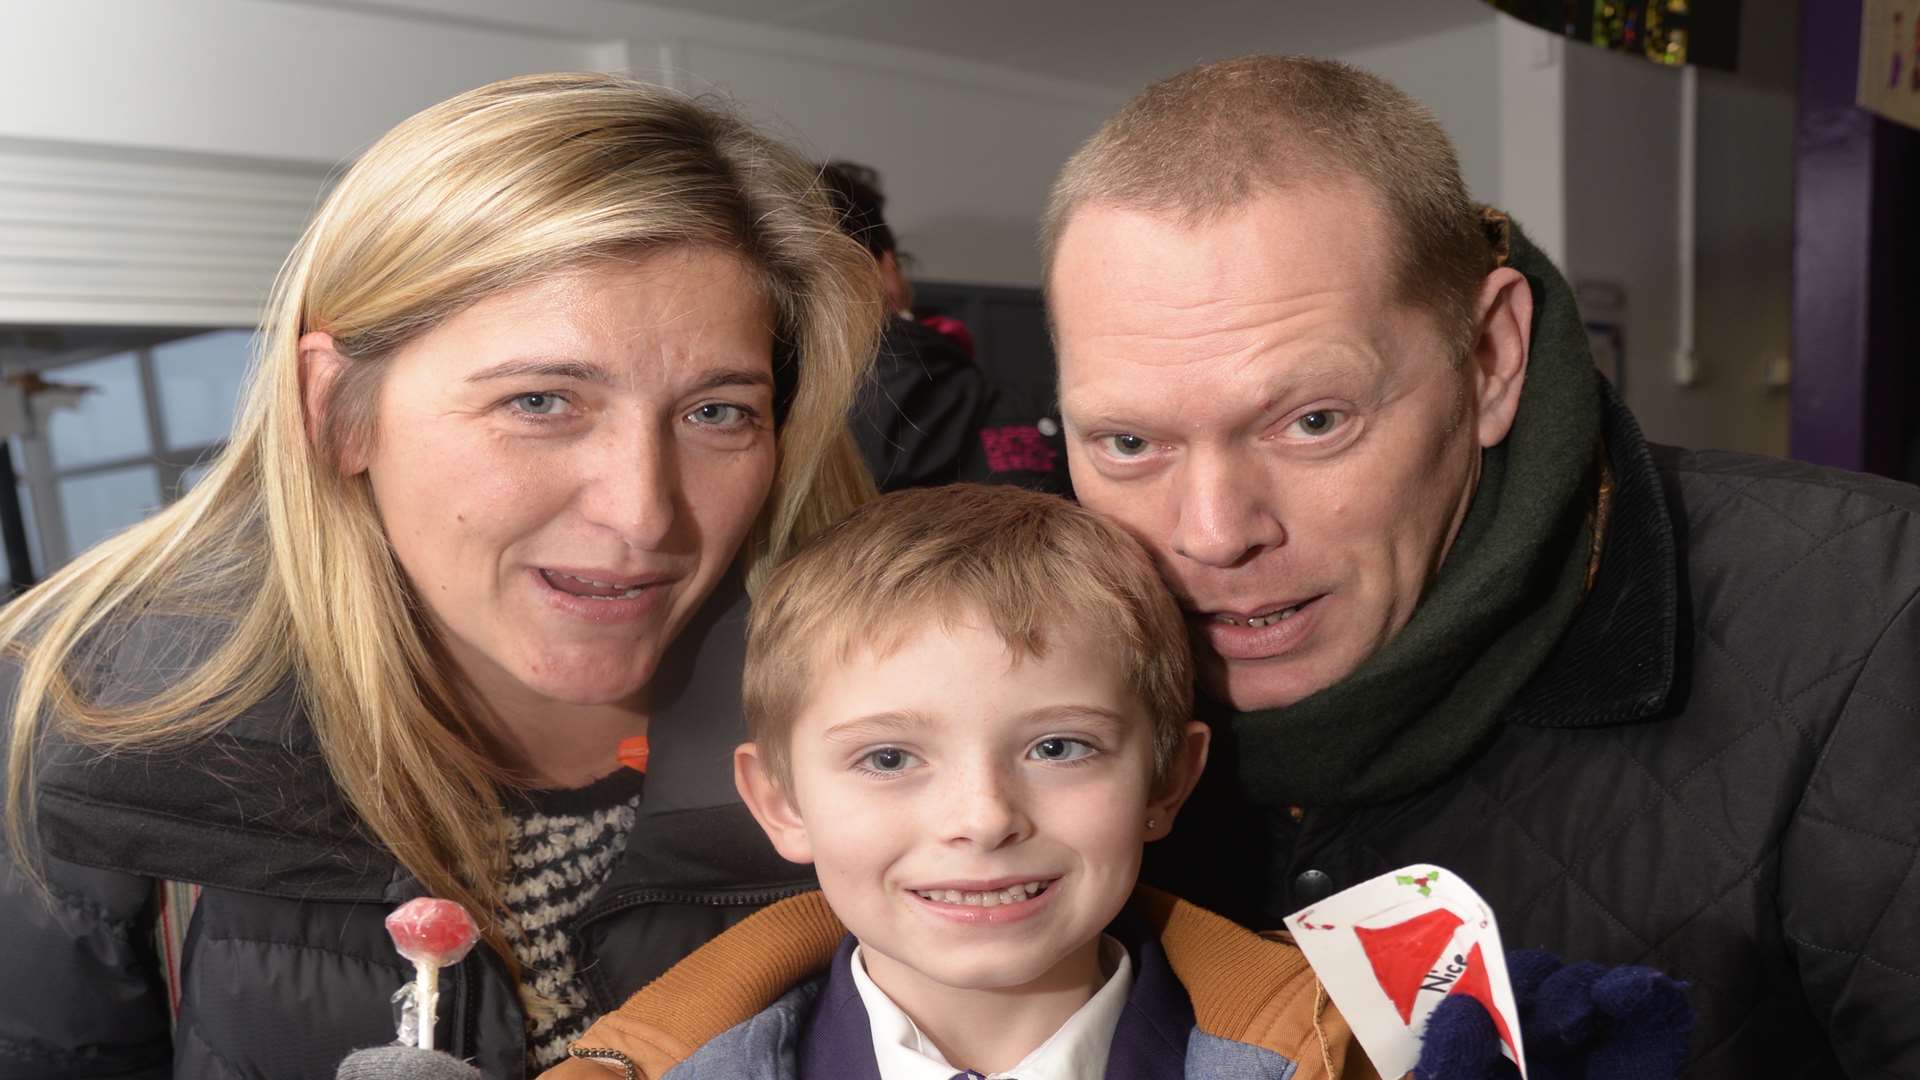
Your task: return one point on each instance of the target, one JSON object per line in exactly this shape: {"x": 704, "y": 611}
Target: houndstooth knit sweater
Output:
{"x": 562, "y": 844}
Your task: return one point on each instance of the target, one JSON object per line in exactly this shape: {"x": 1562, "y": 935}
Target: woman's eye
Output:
{"x": 1126, "y": 446}
{"x": 720, "y": 416}
{"x": 1320, "y": 421}
{"x": 539, "y": 404}
{"x": 888, "y": 759}
{"x": 1060, "y": 749}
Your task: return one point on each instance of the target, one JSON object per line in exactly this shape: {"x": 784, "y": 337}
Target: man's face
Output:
{"x": 1251, "y": 399}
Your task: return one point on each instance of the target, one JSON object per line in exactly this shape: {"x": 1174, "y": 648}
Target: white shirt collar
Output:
{"x": 1078, "y": 1051}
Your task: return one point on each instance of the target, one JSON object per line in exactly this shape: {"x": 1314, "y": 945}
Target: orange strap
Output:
{"x": 633, "y": 753}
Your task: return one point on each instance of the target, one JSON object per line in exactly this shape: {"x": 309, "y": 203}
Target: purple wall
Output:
{"x": 1856, "y": 265}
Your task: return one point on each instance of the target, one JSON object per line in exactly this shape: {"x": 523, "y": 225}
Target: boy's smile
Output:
{"x": 976, "y": 819}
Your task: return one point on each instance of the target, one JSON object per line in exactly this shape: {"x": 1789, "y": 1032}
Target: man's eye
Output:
{"x": 888, "y": 759}
{"x": 1320, "y": 421}
{"x": 539, "y": 404}
{"x": 1060, "y": 748}
{"x": 1126, "y": 446}
{"x": 719, "y": 414}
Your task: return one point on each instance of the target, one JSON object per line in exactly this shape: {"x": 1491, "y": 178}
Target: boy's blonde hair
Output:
{"x": 1021, "y": 559}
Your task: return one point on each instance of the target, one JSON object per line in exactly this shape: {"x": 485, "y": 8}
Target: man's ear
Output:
{"x": 1497, "y": 362}
{"x": 767, "y": 801}
{"x": 1188, "y": 763}
{"x": 320, "y": 365}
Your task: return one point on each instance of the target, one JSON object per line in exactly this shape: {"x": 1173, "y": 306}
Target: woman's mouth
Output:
{"x": 589, "y": 588}
{"x": 601, "y": 598}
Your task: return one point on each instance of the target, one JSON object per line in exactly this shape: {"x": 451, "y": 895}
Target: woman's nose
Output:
{"x": 632, "y": 484}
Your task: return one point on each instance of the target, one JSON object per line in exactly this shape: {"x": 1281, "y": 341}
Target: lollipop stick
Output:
{"x": 426, "y": 998}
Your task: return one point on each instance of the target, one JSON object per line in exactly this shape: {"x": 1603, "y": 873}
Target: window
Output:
{"x": 157, "y": 408}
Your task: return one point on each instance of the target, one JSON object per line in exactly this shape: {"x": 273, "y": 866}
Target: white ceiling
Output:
{"x": 1118, "y": 43}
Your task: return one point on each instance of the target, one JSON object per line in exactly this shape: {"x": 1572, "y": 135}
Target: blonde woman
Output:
{"x": 559, "y": 368}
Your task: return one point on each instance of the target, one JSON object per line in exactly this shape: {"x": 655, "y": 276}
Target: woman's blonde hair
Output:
{"x": 481, "y": 193}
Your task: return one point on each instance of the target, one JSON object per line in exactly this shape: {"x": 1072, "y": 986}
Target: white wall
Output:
{"x": 1623, "y": 157}
{"x": 1495, "y": 86}
{"x": 266, "y": 95}
{"x": 1582, "y": 148}
{"x": 1454, "y": 73}
{"x": 1532, "y": 73}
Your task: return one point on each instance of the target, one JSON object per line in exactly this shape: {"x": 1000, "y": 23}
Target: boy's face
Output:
{"x": 974, "y": 821}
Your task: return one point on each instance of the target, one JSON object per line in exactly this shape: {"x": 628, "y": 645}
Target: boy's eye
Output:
{"x": 888, "y": 759}
{"x": 1060, "y": 748}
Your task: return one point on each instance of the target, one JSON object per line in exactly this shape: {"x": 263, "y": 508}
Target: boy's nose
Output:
{"x": 985, "y": 810}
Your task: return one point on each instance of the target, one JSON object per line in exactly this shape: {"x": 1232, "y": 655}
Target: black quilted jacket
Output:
{"x": 1717, "y": 773}
{"x": 287, "y": 964}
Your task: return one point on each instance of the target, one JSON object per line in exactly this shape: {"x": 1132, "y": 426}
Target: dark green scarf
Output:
{"x": 1506, "y": 593}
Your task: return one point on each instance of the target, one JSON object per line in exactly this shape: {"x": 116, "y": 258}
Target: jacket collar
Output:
{"x": 1219, "y": 978}
{"x": 1616, "y": 663}
{"x": 1149, "y": 1041}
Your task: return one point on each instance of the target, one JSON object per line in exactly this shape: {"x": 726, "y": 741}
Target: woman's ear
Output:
{"x": 1182, "y": 776}
{"x": 767, "y": 800}
{"x": 320, "y": 365}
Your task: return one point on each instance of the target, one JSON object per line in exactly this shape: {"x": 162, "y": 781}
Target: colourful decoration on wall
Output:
{"x": 1670, "y": 32}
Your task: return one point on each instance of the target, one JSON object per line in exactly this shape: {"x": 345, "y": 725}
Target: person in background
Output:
{"x": 559, "y": 369}
{"x": 918, "y": 422}
{"x": 932, "y": 414}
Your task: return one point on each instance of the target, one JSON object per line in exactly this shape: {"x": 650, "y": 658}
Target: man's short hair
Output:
{"x": 1023, "y": 561}
{"x": 853, "y": 190}
{"x": 1207, "y": 141}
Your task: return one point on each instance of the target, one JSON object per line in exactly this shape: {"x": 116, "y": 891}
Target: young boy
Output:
{"x": 969, "y": 709}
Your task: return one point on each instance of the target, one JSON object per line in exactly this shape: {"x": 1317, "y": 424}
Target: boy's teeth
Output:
{"x": 1011, "y": 895}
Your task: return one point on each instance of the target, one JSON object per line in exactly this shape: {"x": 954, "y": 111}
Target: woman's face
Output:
{"x": 565, "y": 469}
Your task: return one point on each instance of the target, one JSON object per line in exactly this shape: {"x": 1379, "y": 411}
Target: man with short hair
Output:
{"x": 1660, "y": 707}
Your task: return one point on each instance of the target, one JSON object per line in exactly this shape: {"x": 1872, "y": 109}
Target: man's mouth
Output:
{"x": 1267, "y": 618}
{"x": 1011, "y": 894}
{"x": 596, "y": 588}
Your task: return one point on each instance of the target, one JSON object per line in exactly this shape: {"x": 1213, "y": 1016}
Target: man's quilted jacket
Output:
{"x": 1717, "y": 773}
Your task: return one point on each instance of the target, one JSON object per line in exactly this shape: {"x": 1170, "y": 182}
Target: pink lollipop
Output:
{"x": 433, "y": 934}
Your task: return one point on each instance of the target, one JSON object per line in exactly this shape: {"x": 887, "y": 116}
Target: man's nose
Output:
{"x": 984, "y": 807}
{"x": 1225, "y": 514}
{"x": 632, "y": 484}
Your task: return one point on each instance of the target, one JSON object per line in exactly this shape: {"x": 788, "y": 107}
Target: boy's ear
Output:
{"x": 767, "y": 800}
{"x": 320, "y": 364}
{"x": 1188, "y": 763}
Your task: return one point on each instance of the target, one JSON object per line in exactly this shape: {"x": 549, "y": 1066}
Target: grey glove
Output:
{"x": 404, "y": 1063}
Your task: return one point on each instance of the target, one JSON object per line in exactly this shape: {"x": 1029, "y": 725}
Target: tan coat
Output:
{"x": 1244, "y": 987}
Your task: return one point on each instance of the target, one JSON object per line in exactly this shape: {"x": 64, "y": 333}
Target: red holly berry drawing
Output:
{"x": 1424, "y": 883}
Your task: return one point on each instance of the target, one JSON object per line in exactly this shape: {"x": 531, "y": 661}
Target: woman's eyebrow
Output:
{"x": 575, "y": 370}
{"x": 581, "y": 371}
{"x": 715, "y": 378}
